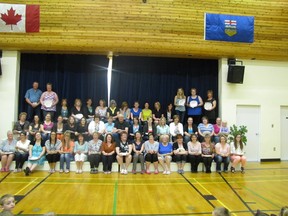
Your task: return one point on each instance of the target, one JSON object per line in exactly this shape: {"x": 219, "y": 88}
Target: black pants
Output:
{"x": 107, "y": 162}
{"x": 53, "y": 158}
{"x": 180, "y": 158}
{"x": 207, "y": 162}
{"x": 194, "y": 160}
{"x": 20, "y": 159}
{"x": 94, "y": 160}
{"x": 151, "y": 157}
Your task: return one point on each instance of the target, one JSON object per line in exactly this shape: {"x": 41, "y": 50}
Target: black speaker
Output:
{"x": 0, "y": 68}
{"x": 236, "y": 74}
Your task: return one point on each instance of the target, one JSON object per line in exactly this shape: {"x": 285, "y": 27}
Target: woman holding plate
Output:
{"x": 77, "y": 111}
{"x": 179, "y": 103}
{"x": 209, "y": 107}
{"x": 194, "y": 104}
{"x": 49, "y": 100}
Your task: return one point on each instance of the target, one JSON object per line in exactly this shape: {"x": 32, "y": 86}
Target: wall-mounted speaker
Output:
{"x": 0, "y": 68}
{"x": 236, "y": 74}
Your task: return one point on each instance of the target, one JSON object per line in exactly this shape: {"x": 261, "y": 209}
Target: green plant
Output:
{"x": 234, "y": 130}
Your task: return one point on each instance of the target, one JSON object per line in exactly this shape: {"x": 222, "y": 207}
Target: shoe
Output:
{"x": 232, "y": 169}
{"x": 3, "y": 169}
{"x": 92, "y": 171}
{"x": 218, "y": 171}
{"x": 133, "y": 171}
{"x": 122, "y": 171}
{"x": 179, "y": 171}
{"x": 6, "y": 169}
{"x": 61, "y": 171}
{"x": 125, "y": 172}
{"x": 77, "y": 171}
{"x": 225, "y": 171}
{"x": 242, "y": 170}
{"x": 53, "y": 170}
{"x": 105, "y": 172}
{"x": 143, "y": 171}
{"x": 109, "y": 172}
{"x": 67, "y": 171}
{"x": 182, "y": 171}
{"x": 164, "y": 172}
{"x": 95, "y": 171}
{"x": 27, "y": 171}
{"x": 156, "y": 171}
{"x": 15, "y": 171}
{"x": 148, "y": 172}
{"x": 168, "y": 172}
{"x": 80, "y": 171}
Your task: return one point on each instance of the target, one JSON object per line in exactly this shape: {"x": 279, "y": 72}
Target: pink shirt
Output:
{"x": 222, "y": 149}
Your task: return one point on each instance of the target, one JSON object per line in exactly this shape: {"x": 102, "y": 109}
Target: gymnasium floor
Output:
{"x": 263, "y": 186}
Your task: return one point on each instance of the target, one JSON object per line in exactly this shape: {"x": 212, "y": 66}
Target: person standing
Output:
{"x": 194, "y": 106}
{"x": 179, "y": 103}
{"x": 32, "y": 98}
{"x": 49, "y": 100}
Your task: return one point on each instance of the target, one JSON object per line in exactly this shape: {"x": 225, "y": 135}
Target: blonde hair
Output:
{"x": 4, "y": 198}
{"x": 180, "y": 93}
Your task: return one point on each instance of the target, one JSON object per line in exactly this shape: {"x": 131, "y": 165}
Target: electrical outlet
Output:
{"x": 274, "y": 149}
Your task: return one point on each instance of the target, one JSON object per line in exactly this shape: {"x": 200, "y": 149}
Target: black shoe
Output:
{"x": 95, "y": 171}
{"x": 232, "y": 169}
{"x": 242, "y": 170}
{"x": 91, "y": 171}
{"x": 27, "y": 171}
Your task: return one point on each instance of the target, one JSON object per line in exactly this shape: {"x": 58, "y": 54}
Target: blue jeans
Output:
{"x": 65, "y": 157}
{"x": 181, "y": 115}
{"x": 219, "y": 159}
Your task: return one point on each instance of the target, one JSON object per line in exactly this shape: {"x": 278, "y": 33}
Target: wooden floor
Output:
{"x": 263, "y": 186}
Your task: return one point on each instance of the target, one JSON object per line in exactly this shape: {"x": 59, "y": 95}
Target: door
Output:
{"x": 284, "y": 131}
{"x": 250, "y": 117}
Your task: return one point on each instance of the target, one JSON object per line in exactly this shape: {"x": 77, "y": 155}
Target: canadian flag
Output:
{"x": 19, "y": 18}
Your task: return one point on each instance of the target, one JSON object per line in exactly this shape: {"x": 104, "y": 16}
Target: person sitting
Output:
{"x": 284, "y": 211}
{"x": 77, "y": 110}
{"x": 224, "y": 129}
{"x": 22, "y": 152}
{"x": 157, "y": 113}
{"x": 63, "y": 110}
{"x": 21, "y": 125}
{"x": 34, "y": 127}
{"x": 194, "y": 153}
{"x": 222, "y": 150}
{"x": 7, "y": 151}
{"x": 94, "y": 153}
{"x": 66, "y": 152}
{"x": 101, "y": 110}
{"x": 170, "y": 112}
{"x": 165, "y": 153}
{"x": 46, "y": 128}
{"x": 119, "y": 127}
{"x": 108, "y": 152}
{"x": 208, "y": 150}
{"x": 123, "y": 151}
{"x": 97, "y": 126}
{"x": 53, "y": 148}
{"x": 176, "y": 127}
{"x": 134, "y": 128}
{"x": 125, "y": 111}
{"x": 113, "y": 110}
{"x": 189, "y": 129}
{"x": 180, "y": 151}
{"x": 36, "y": 154}
{"x": 80, "y": 151}
{"x": 237, "y": 154}
{"x": 149, "y": 127}
{"x": 71, "y": 127}
{"x": 88, "y": 110}
{"x": 82, "y": 128}
{"x": 146, "y": 112}
{"x": 163, "y": 128}
{"x": 217, "y": 127}
{"x": 205, "y": 128}
{"x": 58, "y": 128}
{"x": 7, "y": 204}
{"x": 138, "y": 150}
{"x": 109, "y": 126}
{"x": 151, "y": 148}
{"x": 136, "y": 111}
{"x": 220, "y": 211}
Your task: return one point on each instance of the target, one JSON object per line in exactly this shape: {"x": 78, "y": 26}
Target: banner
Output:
{"x": 232, "y": 28}
{"x": 19, "y": 18}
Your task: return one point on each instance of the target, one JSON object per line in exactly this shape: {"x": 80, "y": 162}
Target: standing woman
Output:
{"x": 47, "y": 127}
{"x": 151, "y": 148}
{"x": 209, "y": 107}
{"x": 88, "y": 110}
{"x": 94, "y": 153}
{"x": 108, "y": 150}
{"x": 101, "y": 110}
{"x": 208, "y": 150}
{"x": 194, "y": 104}
{"x": 49, "y": 100}
{"x": 22, "y": 151}
{"x": 80, "y": 150}
{"x": 138, "y": 150}
{"x": 34, "y": 127}
{"x": 77, "y": 110}
{"x": 66, "y": 152}
{"x": 165, "y": 153}
{"x": 36, "y": 154}
{"x": 53, "y": 147}
{"x": 179, "y": 103}
{"x": 237, "y": 154}
{"x": 194, "y": 153}
{"x": 180, "y": 151}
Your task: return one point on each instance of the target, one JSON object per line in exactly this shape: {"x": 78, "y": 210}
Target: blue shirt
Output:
{"x": 165, "y": 149}
{"x": 109, "y": 127}
{"x": 33, "y": 96}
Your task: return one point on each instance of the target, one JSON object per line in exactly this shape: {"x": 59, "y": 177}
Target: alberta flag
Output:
{"x": 19, "y": 18}
{"x": 232, "y": 28}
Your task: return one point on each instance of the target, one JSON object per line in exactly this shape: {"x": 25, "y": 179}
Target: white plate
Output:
{"x": 208, "y": 106}
{"x": 48, "y": 103}
{"x": 181, "y": 102}
{"x": 8, "y": 152}
{"x": 123, "y": 154}
{"x": 79, "y": 116}
{"x": 33, "y": 158}
{"x": 193, "y": 104}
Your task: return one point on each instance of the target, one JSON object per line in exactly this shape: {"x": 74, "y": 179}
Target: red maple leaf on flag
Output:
{"x": 11, "y": 18}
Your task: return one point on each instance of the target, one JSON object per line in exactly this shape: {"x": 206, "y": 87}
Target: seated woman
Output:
{"x": 136, "y": 111}
{"x": 97, "y": 126}
{"x": 146, "y": 112}
{"x": 170, "y": 112}
{"x": 53, "y": 148}
{"x": 46, "y": 127}
{"x": 21, "y": 125}
{"x": 36, "y": 154}
{"x": 89, "y": 110}
{"x": 77, "y": 110}
{"x": 7, "y": 151}
{"x": 82, "y": 128}
{"x": 109, "y": 126}
{"x": 66, "y": 152}
{"x": 59, "y": 128}
{"x": 222, "y": 150}
{"x": 80, "y": 151}
{"x": 71, "y": 127}
{"x": 205, "y": 128}
{"x": 125, "y": 111}
{"x": 94, "y": 153}
{"x": 194, "y": 153}
{"x": 108, "y": 151}
{"x": 151, "y": 148}
{"x": 123, "y": 151}
{"x": 134, "y": 128}
{"x": 217, "y": 127}
{"x": 101, "y": 111}
{"x": 149, "y": 127}
{"x": 180, "y": 151}
{"x": 189, "y": 129}
{"x": 224, "y": 129}
{"x": 22, "y": 152}
{"x": 138, "y": 150}
{"x": 34, "y": 127}
{"x": 157, "y": 113}
{"x": 113, "y": 110}
{"x": 237, "y": 154}
{"x": 176, "y": 127}
{"x": 208, "y": 150}
{"x": 165, "y": 153}
{"x": 163, "y": 128}
{"x": 63, "y": 110}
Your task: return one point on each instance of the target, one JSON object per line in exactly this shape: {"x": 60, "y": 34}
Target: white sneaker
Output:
{"x": 77, "y": 171}
{"x": 164, "y": 172}
{"x": 80, "y": 171}
{"x": 122, "y": 171}
{"x": 168, "y": 172}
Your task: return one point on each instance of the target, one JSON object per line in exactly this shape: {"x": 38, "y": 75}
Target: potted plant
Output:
{"x": 234, "y": 130}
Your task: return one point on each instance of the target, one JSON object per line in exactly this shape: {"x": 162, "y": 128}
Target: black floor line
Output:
{"x": 198, "y": 191}
{"x": 235, "y": 192}
{"x": 5, "y": 177}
